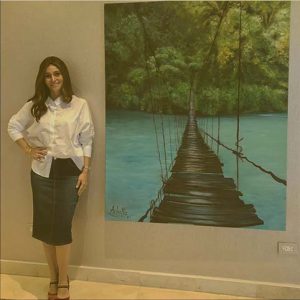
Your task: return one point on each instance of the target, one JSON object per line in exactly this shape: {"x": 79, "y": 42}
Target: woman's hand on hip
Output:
{"x": 38, "y": 153}
{"x": 82, "y": 182}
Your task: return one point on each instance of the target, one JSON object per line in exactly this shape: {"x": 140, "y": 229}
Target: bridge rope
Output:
{"x": 239, "y": 74}
{"x": 243, "y": 157}
{"x": 147, "y": 42}
{"x": 238, "y": 151}
{"x": 219, "y": 125}
{"x": 148, "y": 46}
{"x": 153, "y": 115}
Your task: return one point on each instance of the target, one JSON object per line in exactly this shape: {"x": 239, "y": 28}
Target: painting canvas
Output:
{"x": 196, "y": 112}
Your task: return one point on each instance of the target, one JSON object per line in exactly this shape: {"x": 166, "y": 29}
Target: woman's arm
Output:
{"x": 86, "y": 164}
{"x": 86, "y": 134}
{"x": 19, "y": 122}
{"x": 24, "y": 145}
{"x": 37, "y": 153}
{"x": 83, "y": 177}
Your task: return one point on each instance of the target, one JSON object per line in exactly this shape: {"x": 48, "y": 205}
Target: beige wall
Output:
{"x": 74, "y": 32}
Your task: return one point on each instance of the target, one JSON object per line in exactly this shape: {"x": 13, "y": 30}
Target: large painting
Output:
{"x": 196, "y": 112}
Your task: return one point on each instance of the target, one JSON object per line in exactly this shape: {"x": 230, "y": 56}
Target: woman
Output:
{"x": 55, "y": 129}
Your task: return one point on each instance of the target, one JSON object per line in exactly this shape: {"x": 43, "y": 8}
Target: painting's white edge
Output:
{"x": 196, "y": 283}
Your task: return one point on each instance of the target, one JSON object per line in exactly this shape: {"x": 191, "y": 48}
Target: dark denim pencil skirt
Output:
{"x": 54, "y": 202}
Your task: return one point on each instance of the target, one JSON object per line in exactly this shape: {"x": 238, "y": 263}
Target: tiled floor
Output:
{"x": 26, "y": 287}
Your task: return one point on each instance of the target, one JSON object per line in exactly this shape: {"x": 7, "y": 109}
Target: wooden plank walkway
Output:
{"x": 197, "y": 191}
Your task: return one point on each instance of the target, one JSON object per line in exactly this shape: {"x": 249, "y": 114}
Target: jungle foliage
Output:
{"x": 157, "y": 52}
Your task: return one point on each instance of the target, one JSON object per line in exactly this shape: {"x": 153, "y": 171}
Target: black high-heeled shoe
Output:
{"x": 52, "y": 295}
{"x": 63, "y": 286}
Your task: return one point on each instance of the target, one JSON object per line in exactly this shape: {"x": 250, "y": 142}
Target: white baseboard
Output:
{"x": 216, "y": 285}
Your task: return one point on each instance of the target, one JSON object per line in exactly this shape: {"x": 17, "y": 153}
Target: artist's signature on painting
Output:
{"x": 120, "y": 212}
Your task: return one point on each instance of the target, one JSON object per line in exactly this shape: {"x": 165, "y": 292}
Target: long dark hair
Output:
{"x": 39, "y": 107}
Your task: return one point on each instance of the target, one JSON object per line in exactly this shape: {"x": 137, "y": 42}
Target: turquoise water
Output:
{"x": 133, "y": 170}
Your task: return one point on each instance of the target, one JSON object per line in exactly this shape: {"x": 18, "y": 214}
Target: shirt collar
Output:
{"x": 57, "y": 102}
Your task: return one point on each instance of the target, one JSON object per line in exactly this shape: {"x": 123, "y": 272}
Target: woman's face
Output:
{"x": 54, "y": 81}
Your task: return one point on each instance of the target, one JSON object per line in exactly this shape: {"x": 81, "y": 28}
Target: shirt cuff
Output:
{"x": 16, "y": 136}
{"x": 87, "y": 150}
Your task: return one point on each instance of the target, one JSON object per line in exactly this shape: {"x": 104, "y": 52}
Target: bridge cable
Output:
{"x": 243, "y": 157}
{"x": 147, "y": 38}
{"x": 152, "y": 105}
{"x": 238, "y": 148}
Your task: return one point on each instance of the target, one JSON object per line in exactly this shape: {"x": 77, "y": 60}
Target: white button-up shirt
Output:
{"x": 66, "y": 130}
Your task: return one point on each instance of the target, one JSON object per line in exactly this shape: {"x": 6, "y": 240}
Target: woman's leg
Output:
{"x": 50, "y": 253}
{"x": 62, "y": 256}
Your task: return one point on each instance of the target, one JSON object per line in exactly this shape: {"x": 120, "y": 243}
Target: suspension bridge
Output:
{"x": 196, "y": 191}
